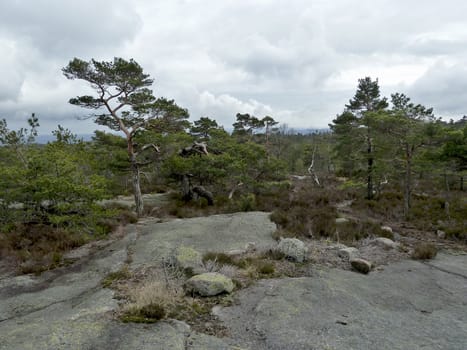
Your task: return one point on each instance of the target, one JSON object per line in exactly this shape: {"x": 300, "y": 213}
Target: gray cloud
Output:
{"x": 297, "y": 61}
{"x": 61, "y": 28}
{"x": 444, "y": 88}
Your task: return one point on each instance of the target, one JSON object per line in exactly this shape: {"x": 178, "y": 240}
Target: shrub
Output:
{"x": 266, "y": 268}
{"x": 150, "y": 301}
{"x": 424, "y": 251}
{"x": 150, "y": 313}
{"x": 247, "y": 202}
{"x": 280, "y": 233}
{"x": 223, "y": 259}
{"x": 153, "y": 311}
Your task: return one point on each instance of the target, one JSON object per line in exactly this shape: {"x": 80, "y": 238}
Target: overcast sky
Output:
{"x": 297, "y": 60}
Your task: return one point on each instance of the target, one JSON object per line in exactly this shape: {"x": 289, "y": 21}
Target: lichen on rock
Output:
{"x": 209, "y": 284}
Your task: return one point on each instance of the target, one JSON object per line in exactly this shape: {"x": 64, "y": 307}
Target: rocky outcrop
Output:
{"x": 209, "y": 284}
{"x": 293, "y": 249}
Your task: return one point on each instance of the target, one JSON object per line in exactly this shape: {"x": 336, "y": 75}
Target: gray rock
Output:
{"x": 348, "y": 253}
{"x": 421, "y": 305}
{"x": 209, "y": 284}
{"x": 293, "y": 249}
{"x": 387, "y": 229}
{"x": 250, "y": 247}
{"x": 236, "y": 252}
{"x": 441, "y": 234}
{"x": 216, "y": 233}
{"x": 385, "y": 243}
{"x": 361, "y": 265}
{"x": 341, "y": 221}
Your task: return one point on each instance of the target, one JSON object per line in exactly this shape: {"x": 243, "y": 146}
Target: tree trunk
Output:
{"x": 370, "y": 167}
{"x": 187, "y": 193}
{"x": 136, "y": 186}
{"x": 408, "y": 184}
{"x": 201, "y": 191}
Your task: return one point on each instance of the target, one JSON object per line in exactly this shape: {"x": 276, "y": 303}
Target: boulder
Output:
{"x": 293, "y": 249}
{"x": 361, "y": 265}
{"x": 209, "y": 284}
{"x": 385, "y": 243}
{"x": 348, "y": 253}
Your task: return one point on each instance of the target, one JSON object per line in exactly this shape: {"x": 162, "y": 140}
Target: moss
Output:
{"x": 187, "y": 256}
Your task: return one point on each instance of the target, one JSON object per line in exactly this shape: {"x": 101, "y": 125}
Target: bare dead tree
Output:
{"x": 196, "y": 148}
{"x": 311, "y": 169}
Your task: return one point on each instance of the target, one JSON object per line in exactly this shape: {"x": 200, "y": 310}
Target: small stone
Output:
{"x": 387, "y": 229}
{"x": 250, "y": 247}
{"x": 236, "y": 252}
{"x": 361, "y": 265}
{"x": 293, "y": 249}
{"x": 441, "y": 234}
{"x": 348, "y": 253}
{"x": 341, "y": 221}
{"x": 209, "y": 284}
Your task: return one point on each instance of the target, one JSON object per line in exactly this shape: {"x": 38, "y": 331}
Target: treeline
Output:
{"x": 393, "y": 157}
{"x": 398, "y": 144}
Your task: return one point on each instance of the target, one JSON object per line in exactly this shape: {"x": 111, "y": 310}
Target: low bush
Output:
{"x": 223, "y": 259}
{"x": 266, "y": 268}
{"x": 150, "y": 313}
{"x": 424, "y": 251}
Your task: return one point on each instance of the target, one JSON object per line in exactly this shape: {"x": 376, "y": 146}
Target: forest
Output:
{"x": 391, "y": 159}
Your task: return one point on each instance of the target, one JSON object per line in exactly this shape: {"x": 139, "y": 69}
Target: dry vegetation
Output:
{"x": 34, "y": 248}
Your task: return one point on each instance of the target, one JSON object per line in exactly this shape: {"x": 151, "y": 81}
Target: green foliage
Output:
{"x": 49, "y": 199}
{"x": 247, "y": 202}
{"x": 367, "y": 97}
{"x": 204, "y": 127}
{"x": 126, "y": 104}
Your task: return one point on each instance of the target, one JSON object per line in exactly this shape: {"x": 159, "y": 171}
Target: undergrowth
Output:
{"x": 34, "y": 247}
